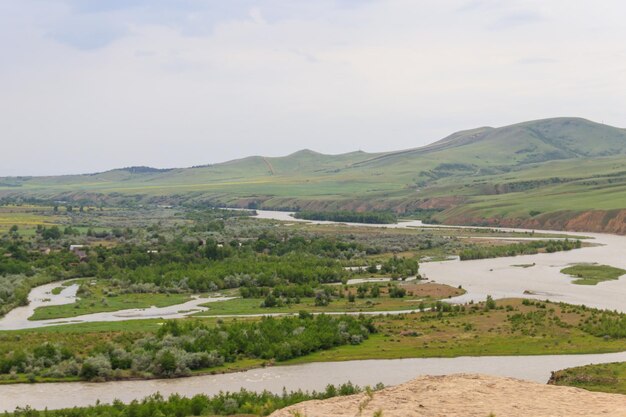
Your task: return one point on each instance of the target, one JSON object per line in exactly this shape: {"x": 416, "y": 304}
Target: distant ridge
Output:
{"x": 561, "y": 173}
{"x": 144, "y": 170}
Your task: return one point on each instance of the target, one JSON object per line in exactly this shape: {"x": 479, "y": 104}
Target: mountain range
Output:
{"x": 564, "y": 173}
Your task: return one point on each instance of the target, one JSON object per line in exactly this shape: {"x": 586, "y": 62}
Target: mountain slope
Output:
{"x": 526, "y": 174}
{"x": 523, "y": 143}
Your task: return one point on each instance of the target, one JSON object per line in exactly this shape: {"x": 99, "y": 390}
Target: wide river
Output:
{"x": 498, "y": 277}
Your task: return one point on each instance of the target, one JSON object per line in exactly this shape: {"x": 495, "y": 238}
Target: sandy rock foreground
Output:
{"x": 466, "y": 395}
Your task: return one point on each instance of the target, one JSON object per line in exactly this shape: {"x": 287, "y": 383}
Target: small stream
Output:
{"x": 17, "y": 319}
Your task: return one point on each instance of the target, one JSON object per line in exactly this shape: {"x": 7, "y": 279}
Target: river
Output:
{"x": 504, "y": 278}
{"x": 314, "y": 376}
{"x": 498, "y": 277}
{"x": 42, "y": 296}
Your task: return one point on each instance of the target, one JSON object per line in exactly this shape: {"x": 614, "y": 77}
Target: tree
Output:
{"x": 166, "y": 363}
{"x": 52, "y": 233}
{"x": 13, "y": 232}
{"x": 375, "y": 291}
{"x": 322, "y": 298}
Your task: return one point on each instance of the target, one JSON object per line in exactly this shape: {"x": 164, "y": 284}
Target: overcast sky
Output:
{"x": 89, "y": 85}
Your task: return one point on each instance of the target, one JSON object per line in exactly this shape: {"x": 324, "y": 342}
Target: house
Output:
{"x": 76, "y": 250}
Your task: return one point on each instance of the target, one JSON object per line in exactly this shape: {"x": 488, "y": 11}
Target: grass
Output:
{"x": 422, "y": 293}
{"x": 243, "y": 306}
{"x": 422, "y": 335}
{"x": 97, "y": 299}
{"x": 514, "y": 328}
{"x": 26, "y": 218}
{"x": 592, "y": 274}
{"x": 510, "y": 174}
{"x": 610, "y": 377}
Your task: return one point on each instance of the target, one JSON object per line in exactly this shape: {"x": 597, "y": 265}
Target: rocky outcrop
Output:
{"x": 466, "y": 395}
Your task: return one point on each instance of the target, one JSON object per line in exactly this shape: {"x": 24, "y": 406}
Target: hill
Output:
{"x": 466, "y": 395}
{"x": 566, "y": 173}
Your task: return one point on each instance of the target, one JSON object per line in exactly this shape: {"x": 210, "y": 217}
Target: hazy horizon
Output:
{"x": 88, "y": 86}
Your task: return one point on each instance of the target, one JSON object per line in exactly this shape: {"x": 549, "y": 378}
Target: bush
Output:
{"x": 96, "y": 368}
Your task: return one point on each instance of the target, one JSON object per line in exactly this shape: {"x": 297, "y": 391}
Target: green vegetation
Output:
{"x": 348, "y": 216}
{"x": 537, "y": 173}
{"x": 179, "y": 347}
{"x": 182, "y": 347}
{"x": 609, "y": 377}
{"x": 591, "y": 274}
{"x": 511, "y": 327}
{"x": 605, "y": 324}
{"x": 94, "y": 298}
{"x": 144, "y": 257}
{"x": 392, "y": 296}
{"x": 226, "y": 404}
{"x": 526, "y": 248}
{"x": 56, "y": 291}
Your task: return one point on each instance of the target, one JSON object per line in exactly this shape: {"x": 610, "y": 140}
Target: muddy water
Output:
{"x": 287, "y": 217}
{"x": 313, "y": 376}
{"x": 504, "y": 277}
{"x": 42, "y": 296}
{"x": 498, "y": 277}
{"x": 38, "y": 297}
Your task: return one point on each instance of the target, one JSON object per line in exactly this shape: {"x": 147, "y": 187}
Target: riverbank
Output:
{"x": 504, "y": 328}
{"x": 314, "y": 376}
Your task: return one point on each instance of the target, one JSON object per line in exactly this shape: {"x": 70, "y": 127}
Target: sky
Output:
{"x": 91, "y": 85}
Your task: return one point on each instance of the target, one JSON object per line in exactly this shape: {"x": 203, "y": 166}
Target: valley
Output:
{"x": 561, "y": 173}
{"x": 442, "y": 320}
{"x": 489, "y": 251}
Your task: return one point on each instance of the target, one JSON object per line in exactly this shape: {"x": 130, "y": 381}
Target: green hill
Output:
{"x": 535, "y": 174}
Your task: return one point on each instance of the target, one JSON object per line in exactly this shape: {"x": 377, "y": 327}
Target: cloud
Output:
{"x": 88, "y": 32}
{"x": 515, "y": 19}
{"x": 90, "y": 85}
{"x": 537, "y": 61}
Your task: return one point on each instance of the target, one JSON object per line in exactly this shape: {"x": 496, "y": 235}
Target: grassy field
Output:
{"x": 513, "y": 327}
{"x": 550, "y": 329}
{"x": 590, "y": 274}
{"x": 610, "y": 377}
{"x": 26, "y": 218}
{"x": 418, "y": 295}
{"x": 525, "y": 171}
{"x": 97, "y": 298}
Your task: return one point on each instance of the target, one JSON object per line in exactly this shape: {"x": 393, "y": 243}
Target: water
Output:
{"x": 498, "y": 277}
{"x": 42, "y": 296}
{"x": 314, "y": 376}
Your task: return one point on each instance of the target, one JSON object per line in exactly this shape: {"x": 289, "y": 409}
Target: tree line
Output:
{"x": 223, "y": 404}
{"x": 525, "y": 248}
{"x": 180, "y": 347}
{"x": 368, "y": 217}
